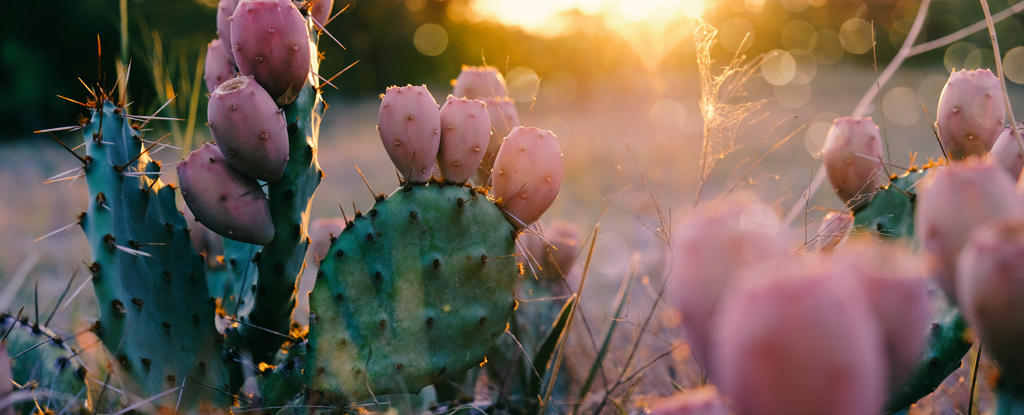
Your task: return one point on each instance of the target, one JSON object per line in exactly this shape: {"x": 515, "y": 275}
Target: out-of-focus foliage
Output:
{"x": 34, "y": 68}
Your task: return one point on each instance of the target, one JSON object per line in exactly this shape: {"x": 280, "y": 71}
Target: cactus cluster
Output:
{"x": 775, "y": 332}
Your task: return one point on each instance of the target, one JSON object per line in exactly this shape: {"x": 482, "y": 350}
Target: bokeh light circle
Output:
{"x": 817, "y": 132}
{"x": 901, "y": 106}
{"x": 855, "y": 36}
{"x": 778, "y": 67}
{"x": 430, "y": 39}
{"x": 522, "y": 83}
{"x": 1013, "y": 65}
{"x": 956, "y": 55}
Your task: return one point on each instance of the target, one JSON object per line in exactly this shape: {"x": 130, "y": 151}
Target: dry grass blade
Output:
{"x": 568, "y": 325}
{"x": 620, "y": 306}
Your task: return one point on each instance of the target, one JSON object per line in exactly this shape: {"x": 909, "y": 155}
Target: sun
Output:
{"x": 542, "y": 16}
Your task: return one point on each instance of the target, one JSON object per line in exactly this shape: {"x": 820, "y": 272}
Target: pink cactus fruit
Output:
{"x": 951, "y": 203}
{"x": 971, "y": 113}
{"x": 718, "y": 241}
{"x": 704, "y": 401}
{"x": 225, "y": 9}
{"x": 990, "y": 288}
{"x": 504, "y": 117}
{"x": 479, "y": 82}
{"x": 853, "y": 159}
{"x": 219, "y": 65}
{"x": 527, "y": 174}
{"x": 271, "y": 44}
{"x": 249, "y": 129}
{"x": 204, "y": 241}
{"x": 835, "y": 226}
{"x": 555, "y": 250}
{"x": 790, "y": 341}
{"x": 321, "y": 10}
{"x": 465, "y": 129}
{"x": 320, "y": 234}
{"x": 894, "y": 280}
{"x": 409, "y": 125}
{"x": 1006, "y": 152}
{"x": 222, "y": 198}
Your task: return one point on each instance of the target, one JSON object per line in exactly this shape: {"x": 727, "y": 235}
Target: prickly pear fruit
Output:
{"x": 556, "y": 250}
{"x": 990, "y": 289}
{"x": 321, "y": 232}
{"x": 321, "y": 10}
{"x": 710, "y": 248}
{"x": 971, "y": 113}
{"x": 790, "y": 341}
{"x": 249, "y": 129}
{"x": 409, "y": 125}
{"x": 527, "y": 174}
{"x": 219, "y": 66}
{"x": 894, "y": 280}
{"x": 853, "y": 159}
{"x": 504, "y": 117}
{"x": 271, "y": 43}
{"x": 224, "y": 199}
{"x": 1006, "y": 152}
{"x": 479, "y": 82}
{"x": 465, "y": 129}
{"x": 835, "y": 226}
{"x": 954, "y": 201}
{"x": 704, "y": 401}
{"x": 225, "y": 9}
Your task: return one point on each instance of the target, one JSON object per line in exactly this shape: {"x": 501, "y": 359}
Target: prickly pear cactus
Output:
{"x": 156, "y": 315}
{"x": 415, "y": 290}
{"x": 890, "y": 214}
{"x": 44, "y": 360}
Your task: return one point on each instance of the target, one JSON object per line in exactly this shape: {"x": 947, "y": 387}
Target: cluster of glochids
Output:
{"x": 260, "y": 61}
{"x": 860, "y": 325}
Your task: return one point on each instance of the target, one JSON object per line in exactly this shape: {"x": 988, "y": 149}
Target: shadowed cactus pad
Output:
{"x": 412, "y": 292}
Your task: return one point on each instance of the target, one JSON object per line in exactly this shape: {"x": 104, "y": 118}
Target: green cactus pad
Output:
{"x": 51, "y": 365}
{"x": 156, "y": 313}
{"x": 891, "y": 212}
{"x": 411, "y": 293}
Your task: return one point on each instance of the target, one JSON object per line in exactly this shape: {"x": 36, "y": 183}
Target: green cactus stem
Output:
{"x": 281, "y": 262}
{"x": 156, "y": 315}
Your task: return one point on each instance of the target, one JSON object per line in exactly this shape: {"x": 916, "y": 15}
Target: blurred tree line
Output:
{"x": 43, "y": 51}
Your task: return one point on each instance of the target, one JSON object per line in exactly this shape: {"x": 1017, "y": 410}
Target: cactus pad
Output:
{"x": 412, "y": 292}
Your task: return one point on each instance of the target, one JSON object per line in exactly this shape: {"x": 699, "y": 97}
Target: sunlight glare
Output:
{"x": 543, "y": 16}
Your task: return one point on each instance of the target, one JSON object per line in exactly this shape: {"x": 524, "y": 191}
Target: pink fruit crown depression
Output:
{"x": 249, "y": 128}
